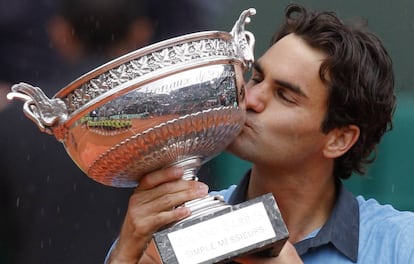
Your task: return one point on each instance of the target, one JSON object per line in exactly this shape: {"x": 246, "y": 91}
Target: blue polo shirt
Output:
{"x": 358, "y": 231}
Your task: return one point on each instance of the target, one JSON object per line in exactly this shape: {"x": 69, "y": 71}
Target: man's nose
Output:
{"x": 256, "y": 97}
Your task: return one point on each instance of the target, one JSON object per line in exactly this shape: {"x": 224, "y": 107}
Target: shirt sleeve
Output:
{"x": 404, "y": 246}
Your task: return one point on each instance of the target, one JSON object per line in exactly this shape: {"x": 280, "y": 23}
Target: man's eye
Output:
{"x": 255, "y": 79}
{"x": 281, "y": 93}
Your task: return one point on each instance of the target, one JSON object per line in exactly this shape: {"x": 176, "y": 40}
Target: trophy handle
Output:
{"x": 244, "y": 40}
{"x": 46, "y": 113}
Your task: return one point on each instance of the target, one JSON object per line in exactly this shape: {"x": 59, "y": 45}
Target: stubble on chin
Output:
{"x": 237, "y": 146}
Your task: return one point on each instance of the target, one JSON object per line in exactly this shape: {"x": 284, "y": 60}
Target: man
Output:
{"x": 318, "y": 102}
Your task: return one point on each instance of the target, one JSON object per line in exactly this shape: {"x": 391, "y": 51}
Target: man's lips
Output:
{"x": 252, "y": 124}
{"x": 248, "y": 125}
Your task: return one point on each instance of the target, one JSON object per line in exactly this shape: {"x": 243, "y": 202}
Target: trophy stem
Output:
{"x": 206, "y": 205}
{"x": 190, "y": 167}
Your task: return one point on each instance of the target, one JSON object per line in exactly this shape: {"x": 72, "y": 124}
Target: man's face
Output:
{"x": 286, "y": 103}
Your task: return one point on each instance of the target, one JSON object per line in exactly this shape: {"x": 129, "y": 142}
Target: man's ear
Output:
{"x": 340, "y": 140}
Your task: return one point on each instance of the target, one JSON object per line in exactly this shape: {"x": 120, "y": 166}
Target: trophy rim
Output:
{"x": 99, "y": 70}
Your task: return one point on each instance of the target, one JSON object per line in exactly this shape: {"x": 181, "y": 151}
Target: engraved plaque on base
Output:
{"x": 253, "y": 226}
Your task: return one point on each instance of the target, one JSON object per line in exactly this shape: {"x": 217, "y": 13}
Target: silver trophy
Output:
{"x": 179, "y": 102}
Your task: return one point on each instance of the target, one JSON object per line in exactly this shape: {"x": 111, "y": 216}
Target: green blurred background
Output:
{"x": 391, "y": 178}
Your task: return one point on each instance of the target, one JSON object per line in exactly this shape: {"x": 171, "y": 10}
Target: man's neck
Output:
{"x": 305, "y": 202}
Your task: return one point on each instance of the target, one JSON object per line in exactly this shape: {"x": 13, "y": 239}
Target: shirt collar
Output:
{"x": 341, "y": 230}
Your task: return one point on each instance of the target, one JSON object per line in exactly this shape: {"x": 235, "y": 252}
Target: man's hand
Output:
{"x": 154, "y": 204}
{"x": 287, "y": 255}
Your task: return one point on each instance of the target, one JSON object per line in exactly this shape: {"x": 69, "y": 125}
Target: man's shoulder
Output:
{"x": 371, "y": 211}
{"x": 385, "y": 232}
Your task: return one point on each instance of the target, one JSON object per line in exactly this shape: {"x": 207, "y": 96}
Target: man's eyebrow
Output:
{"x": 294, "y": 88}
{"x": 290, "y": 86}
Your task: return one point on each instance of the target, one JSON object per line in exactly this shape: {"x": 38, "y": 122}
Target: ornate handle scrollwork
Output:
{"x": 244, "y": 40}
{"x": 46, "y": 113}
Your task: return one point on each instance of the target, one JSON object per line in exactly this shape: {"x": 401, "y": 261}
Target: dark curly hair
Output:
{"x": 358, "y": 73}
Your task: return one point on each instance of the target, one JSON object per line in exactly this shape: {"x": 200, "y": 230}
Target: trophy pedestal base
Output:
{"x": 253, "y": 226}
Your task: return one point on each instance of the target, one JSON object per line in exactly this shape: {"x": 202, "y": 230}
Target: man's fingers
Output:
{"x": 170, "y": 194}
{"x": 149, "y": 223}
{"x": 156, "y": 178}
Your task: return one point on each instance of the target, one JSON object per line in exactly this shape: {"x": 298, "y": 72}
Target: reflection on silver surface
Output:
{"x": 180, "y": 117}
{"x": 177, "y": 102}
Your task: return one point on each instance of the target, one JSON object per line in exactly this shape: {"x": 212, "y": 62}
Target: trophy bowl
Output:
{"x": 176, "y": 102}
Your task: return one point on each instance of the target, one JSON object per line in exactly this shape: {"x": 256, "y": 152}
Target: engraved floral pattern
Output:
{"x": 141, "y": 66}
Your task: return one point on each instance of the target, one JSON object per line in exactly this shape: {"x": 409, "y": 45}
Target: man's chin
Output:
{"x": 235, "y": 147}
